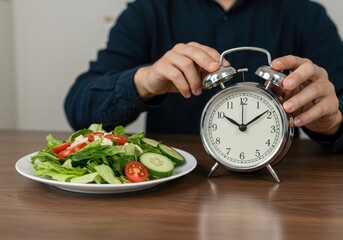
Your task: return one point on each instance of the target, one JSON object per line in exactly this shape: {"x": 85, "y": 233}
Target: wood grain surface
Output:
{"x": 307, "y": 204}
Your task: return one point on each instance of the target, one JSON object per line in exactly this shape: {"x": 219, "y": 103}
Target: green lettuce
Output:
{"x": 94, "y": 163}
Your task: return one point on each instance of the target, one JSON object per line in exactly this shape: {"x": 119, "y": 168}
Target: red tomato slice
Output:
{"x": 120, "y": 139}
{"x": 136, "y": 172}
{"x": 65, "y": 153}
{"x": 61, "y": 147}
{"x": 91, "y": 137}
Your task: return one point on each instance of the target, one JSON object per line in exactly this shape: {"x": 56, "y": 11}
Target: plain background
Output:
{"x": 46, "y": 44}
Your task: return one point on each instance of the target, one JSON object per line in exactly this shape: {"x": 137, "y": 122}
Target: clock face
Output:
{"x": 243, "y": 127}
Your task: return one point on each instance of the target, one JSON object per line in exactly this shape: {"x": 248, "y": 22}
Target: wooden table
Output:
{"x": 307, "y": 204}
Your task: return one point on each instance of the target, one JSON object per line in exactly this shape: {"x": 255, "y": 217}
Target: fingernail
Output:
{"x": 289, "y": 83}
{"x": 289, "y": 106}
{"x": 198, "y": 92}
{"x": 226, "y": 63}
{"x": 188, "y": 95}
{"x": 213, "y": 65}
{"x": 297, "y": 121}
{"x": 277, "y": 62}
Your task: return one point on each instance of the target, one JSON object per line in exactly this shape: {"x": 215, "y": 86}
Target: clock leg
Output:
{"x": 271, "y": 170}
{"x": 213, "y": 169}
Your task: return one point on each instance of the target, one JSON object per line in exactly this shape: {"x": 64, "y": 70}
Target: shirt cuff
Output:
{"x": 334, "y": 143}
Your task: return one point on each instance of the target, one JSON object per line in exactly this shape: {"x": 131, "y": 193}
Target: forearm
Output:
{"x": 108, "y": 99}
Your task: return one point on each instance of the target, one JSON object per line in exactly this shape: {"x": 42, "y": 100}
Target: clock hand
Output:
{"x": 242, "y": 127}
{"x": 255, "y": 118}
{"x": 232, "y": 121}
{"x": 242, "y": 111}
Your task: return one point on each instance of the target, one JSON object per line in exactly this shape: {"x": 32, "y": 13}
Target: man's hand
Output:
{"x": 310, "y": 96}
{"x": 181, "y": 69}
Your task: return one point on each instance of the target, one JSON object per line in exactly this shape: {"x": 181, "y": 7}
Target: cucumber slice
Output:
{"x": 158, "y": 165}
{"x": 150, "y": 142}
{"x": 171, "y": 153}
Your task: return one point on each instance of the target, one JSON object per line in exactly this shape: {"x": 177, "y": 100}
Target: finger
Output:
{"x": 189, "y": 70}
{"x": 211, "y": 51}
{"x": 289, "y": 62}
{"x": 322, "y": 108}
{"x": 303, "y": 70}
{"x": 310, "y": 93}
{"x": 306, "y": 71}
{"x": 199, "y": 56}
{"x": 170, "y": 72}
{"x": 179, "y": 81}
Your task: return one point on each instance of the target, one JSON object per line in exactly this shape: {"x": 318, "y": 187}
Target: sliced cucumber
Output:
{"x": 171, "y": 153}
{"x": 158, "y": 165}
{"x": 150, "y": 142}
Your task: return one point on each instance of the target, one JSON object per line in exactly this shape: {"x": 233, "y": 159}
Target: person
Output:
{"x": 159, "y": 51}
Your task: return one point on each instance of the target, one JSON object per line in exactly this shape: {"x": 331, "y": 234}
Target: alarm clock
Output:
{"x": 244, "y": 126}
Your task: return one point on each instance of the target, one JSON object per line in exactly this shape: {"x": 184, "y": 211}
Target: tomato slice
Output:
{"x": 65, "y": 153}
{"x": 91, "y": 136}
{"x": 120, "y": 139}
{"x": 61, "y": 147}
{"x": 136, "y": 172}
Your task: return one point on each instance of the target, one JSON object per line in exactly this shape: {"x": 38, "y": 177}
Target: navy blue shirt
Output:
{"x": 147, "y": 29}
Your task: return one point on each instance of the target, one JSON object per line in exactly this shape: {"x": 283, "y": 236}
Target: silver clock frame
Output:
{"x": 283, "y": 145}
{"x": 273, "y": 81}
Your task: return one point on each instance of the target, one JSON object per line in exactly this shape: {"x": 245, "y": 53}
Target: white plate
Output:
{"x": 25, "y": 168}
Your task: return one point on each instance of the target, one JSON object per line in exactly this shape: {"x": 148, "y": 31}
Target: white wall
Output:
{"x": 54, "y": 40}
{"x": 334, "y": 9}
{"x": 7, "y": 83}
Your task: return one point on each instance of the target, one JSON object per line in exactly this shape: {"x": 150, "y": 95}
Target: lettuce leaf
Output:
{"x": 95, "y": 127}
{"x": 107, "y": 173}
{"x": 88, "y": 178}
{"x": 57, "y": 171}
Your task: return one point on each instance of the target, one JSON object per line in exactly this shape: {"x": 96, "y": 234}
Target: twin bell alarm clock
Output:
{"x": 244, "y": 126}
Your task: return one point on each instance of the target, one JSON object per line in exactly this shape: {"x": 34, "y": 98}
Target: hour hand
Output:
{"x": 232, "y": 121}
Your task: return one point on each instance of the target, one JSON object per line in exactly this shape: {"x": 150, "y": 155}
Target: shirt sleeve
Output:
{"x": 333, "y": 143}
{"x": 111, "y": 100}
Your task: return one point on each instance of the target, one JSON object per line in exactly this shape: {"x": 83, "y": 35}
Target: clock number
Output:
{"x": 268, "y": 142}
{"x": 217, "y": 140}
{"x": 241, "y": 156}
{"x": 273, "y": 129}
{"x": 228, "y": 151}
{"x": 221, "y": 115}
{"x": 269, "y": 115}
{"x": 257, "y": 153}
{"x": 214, "y": 127}
{"x": 244, "y": 101}
{"x": 229, "y": 105}
{"x": 257, "y": 105}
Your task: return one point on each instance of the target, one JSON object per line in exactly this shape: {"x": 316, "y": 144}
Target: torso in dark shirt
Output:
{"x": 262, "y": 23}
{"x": 148, "y": 28}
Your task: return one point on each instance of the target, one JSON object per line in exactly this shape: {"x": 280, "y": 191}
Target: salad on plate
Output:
{"x": 92, "y": 155}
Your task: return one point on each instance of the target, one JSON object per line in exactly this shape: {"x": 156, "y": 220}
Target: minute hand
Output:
{"x": 257, "y": 117}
